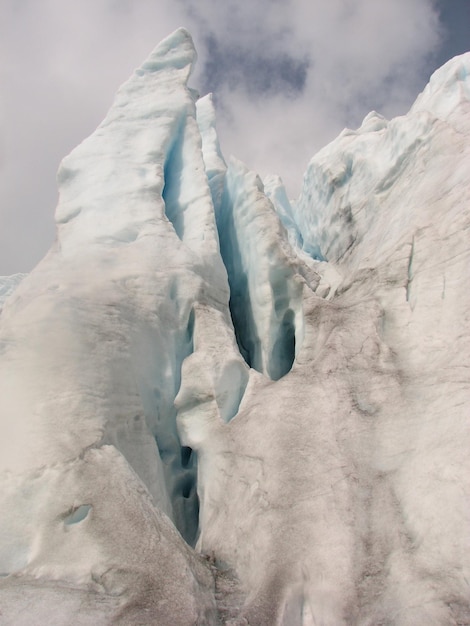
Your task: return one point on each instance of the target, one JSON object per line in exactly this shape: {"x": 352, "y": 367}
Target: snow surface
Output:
{"x": 220, "y": 406}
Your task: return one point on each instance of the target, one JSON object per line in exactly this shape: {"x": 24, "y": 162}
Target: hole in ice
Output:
{"x": 186, "y": 453}
{"x": 187, "y": 488}
{"x": 186, "y": 502}
{"x": 77, "y": 515}
{"x": 283, "y": 350}
{"x": 283, "y": 354}
{"x": 190, "y": 330}
{"x": 230, "y": 389}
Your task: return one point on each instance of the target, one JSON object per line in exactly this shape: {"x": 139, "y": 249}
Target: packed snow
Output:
{"x": 219, "y": 405}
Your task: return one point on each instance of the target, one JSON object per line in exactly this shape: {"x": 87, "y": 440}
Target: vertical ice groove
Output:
{"x": 265, "y": 297}
{"x": 162, "y": 381}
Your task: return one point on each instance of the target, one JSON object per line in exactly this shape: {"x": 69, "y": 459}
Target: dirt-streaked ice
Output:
{"x": 221, "y": 406}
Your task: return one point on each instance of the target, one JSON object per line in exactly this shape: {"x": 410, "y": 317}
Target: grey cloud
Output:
{"x": 289, "y": 75}
{"x": 258, "y": 74}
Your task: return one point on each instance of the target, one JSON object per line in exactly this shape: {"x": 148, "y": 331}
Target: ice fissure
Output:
{"x": 265, "y": 295}
{"x": 222, "y": 406}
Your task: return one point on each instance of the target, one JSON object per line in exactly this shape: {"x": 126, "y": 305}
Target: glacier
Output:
{"x": 221, "y": 406}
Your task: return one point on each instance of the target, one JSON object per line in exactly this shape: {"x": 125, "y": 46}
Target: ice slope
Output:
{"x": 285, "y": 384}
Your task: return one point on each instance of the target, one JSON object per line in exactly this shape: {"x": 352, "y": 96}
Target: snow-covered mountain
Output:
{"x": 222, "y": 407}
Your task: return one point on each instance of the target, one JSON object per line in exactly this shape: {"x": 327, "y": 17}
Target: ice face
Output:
{"x": 200, "y": 362}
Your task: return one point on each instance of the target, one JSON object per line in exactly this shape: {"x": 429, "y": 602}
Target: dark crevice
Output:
{"x": 186, "y": 502}
{"x": 185, "y": 348}
{"x": 283, "y": 354}
{"x": 179, "y": 462}
{"x": 189, "y": 337}
{"x": 283, "y": 350}
{"x": 240, "y": 303}
{"x": 173, "y": 170}
{"x": 282, "y": 346}
{"x": 186, "y": 453}
{"x": 188, "y": 487}
{"x": 243, "y": 322}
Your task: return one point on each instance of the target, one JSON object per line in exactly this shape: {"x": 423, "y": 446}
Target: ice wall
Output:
{"x": 94, "y": 476}
{"x": 221, "y": 406}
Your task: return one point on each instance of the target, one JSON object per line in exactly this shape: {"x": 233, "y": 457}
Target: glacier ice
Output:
{"x": 222, "y": 406}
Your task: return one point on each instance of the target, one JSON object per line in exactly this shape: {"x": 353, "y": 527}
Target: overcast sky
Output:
{"x": 287, "y": 76}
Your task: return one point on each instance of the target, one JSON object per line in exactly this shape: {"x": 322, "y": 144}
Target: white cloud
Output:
{"x": 61, "y": 62}
{"x": 60, "y": 65}
{"x": 362, "y": 54}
